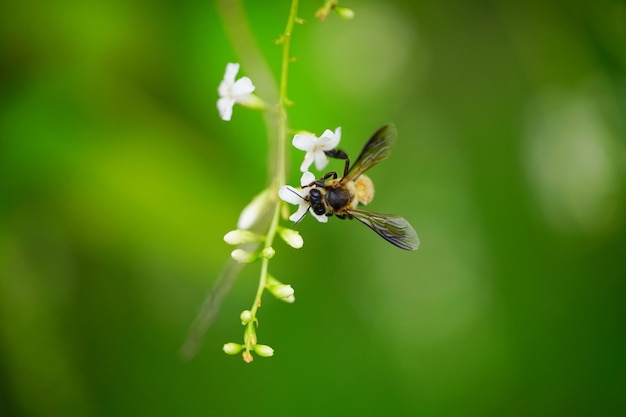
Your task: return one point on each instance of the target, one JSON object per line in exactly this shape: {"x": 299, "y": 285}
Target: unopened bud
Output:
{"x": 292, "y": 237}
{"x": 344, "y": 13}
{"x": 242, "y": 256}
{"x": 247, "y": 356}
{"x": 322, "y": 12}
{"x": 268, "y": 252}
{"x": 245, "y": 316}
{"x": 264, "y": 350}
{"x": 279, "y": 290}
{"x": 283, "y": 291}
{"x": 236, "y": 237}
{"x": 232, "y": 348}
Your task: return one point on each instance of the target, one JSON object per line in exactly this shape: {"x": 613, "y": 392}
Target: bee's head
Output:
{"x": 316, "y": 199}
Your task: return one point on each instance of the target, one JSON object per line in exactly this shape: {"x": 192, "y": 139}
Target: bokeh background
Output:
{"x": 118, "y": 181}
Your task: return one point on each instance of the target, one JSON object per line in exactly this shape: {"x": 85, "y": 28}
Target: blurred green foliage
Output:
{"x": 118, "y": 181}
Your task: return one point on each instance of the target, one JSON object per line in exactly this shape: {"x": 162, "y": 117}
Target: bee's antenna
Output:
{"x": 300, "y": 219}
{"x": 290, "y": 189}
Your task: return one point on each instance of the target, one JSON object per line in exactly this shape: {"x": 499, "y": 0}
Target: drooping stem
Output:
{"x": 281, "y": 153}
{"x": 283, "y": 100}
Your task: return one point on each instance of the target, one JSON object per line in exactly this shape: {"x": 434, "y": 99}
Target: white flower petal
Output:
{"x": 304, "y": 141}
{"x": 231, "y": 73}
{"x": 224, "y": 89}
{"x": 320, "y": 160}
{"x": 242, "y": 87}
{"x": 308, "y": 160}
{"x": 307, "y": 178}
{"x": 225, "y": 107}
{"x": 334, "y": 141}
{"x": 290, "y": 195}
{"x": 299, "y": 213}
{"x": 322, "y": 218}
{"x": 326, "y": 136}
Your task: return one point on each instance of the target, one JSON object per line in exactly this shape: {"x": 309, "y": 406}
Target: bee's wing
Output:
{"x": 377, "y": 148}
{"x": 394, "y": 229}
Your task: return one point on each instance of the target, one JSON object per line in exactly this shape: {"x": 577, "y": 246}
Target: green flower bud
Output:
{"x": 344, "y": 13}
{"x": 232, "y": 348}
{"x": 279, "y": 290}
{"x": 245, "y": 316}
{"x": 292, "y": 237}
{"x": 264, "y": 351}
{"x": 268, "y": 252}
{"x": 291, "y": 299}
{"x": 247, "y": 356}
{"x": 236, "y": 237}
{"x": 242, "y": 256}
{"x": 282, "y": 291}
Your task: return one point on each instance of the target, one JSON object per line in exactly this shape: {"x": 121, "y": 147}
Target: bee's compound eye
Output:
{"x": 315, "y": 193}
{"x": 319, "y": 209}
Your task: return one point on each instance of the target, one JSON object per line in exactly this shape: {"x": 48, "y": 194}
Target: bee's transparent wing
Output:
{"x": 377, "y": 148}
{"x": 394, "y": 229}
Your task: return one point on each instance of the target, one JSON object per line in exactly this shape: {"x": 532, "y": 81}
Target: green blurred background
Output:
{"x": 118, "y": 181}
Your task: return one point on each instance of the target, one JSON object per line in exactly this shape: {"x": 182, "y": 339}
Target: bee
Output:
{"x": 331, "y": 195}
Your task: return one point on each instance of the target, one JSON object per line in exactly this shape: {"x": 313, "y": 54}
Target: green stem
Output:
{"x": 283, "y": 100}
{"x": 281, "y": 156}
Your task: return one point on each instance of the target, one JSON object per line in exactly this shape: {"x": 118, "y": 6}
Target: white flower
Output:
{"x": 232, "y": 91}
{"x": 298, "y": 196}
{"x": 315, "y": 147}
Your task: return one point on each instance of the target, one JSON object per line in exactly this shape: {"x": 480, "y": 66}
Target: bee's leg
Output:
{"x": 322, "y": 181}
{"x": 339, "y": 154}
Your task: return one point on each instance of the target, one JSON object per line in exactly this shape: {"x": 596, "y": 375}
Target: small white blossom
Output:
{"x": 315, "y": 147}
{"x": 232, "y": 91}
{"x": 298, "y": 196}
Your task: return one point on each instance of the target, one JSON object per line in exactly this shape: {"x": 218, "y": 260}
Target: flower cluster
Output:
{"x": 240, "y": 91}
{"x": 259, "y": 222}
{"x": 315, "y": 148}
